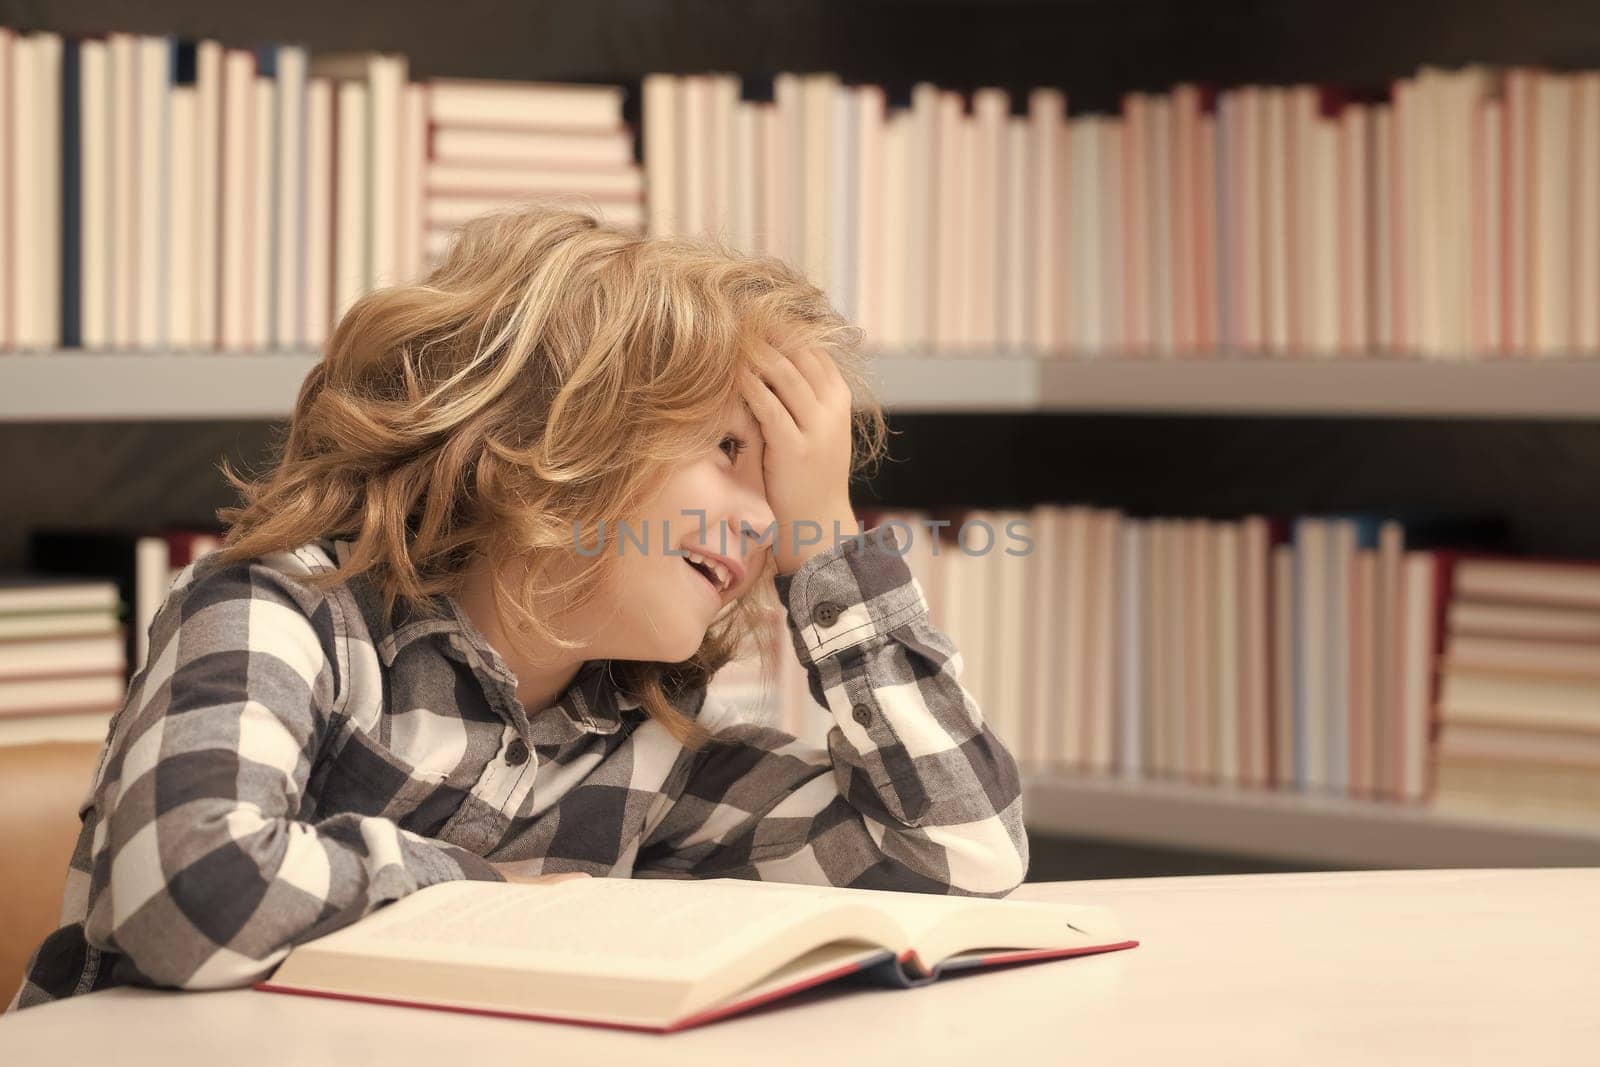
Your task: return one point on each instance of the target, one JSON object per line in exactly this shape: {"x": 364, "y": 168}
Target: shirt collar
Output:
{"x": 593, "y": 702}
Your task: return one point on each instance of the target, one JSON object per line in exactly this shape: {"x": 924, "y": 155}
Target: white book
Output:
{"x": 350, "y": 271}
{"x": 1363, "y": 678}
{"x": 263, "y": 165}
{"x": 1300, "y": 143}
{"x": 1227, "y": 633}
{"x": 1161, "y": 312}
{"x": 1130, "y": 692}
{"x": 1520, "y": 144}
{"x": 923, "y": 190}
{"x": 150, "y": 239}
{"x": 319, "y": 213}
{"x": 1049, "y": 199}
{"x": 1341, "y": 554}
{"x": 238, "y": 119}
{"x": 1110, "y": 245}
{"x": 1073, "y": 642}
{"x": 413, "y": 201}
{"x": 208, "y": 190}
{"x": 819, "y": 195}
{"x": 990, "y": 109}
{"x": 1085, "y": 226}
{"x": 1322, "y": 249}
{"x": 1019, "y": 234}
{"x": 1166, "y": 654}
{"x": 722, "y": 101}
{"x": 122, "y": 52}
{"x": 1198, "y": 757}
{"x": 841, "y": 220}
{"x": 289, "y": 192}
{"x": 47, "y": 227}
{"x": 1417, "y": 669}
{"x": 1354, "y": 226}
{"x": 950, "y": 219}
{"x": 480, "y": 179}
{"x": 1011, "y": 571}
{"x": 1383, "y": 239}
{"x": 891, "y": 271}
{"x": 1389, "y": 594}
{"x": 786, "y": 196}
{"x": 1586, "y": 213}
{"x": 745, "y": 190}
{"x": 27, "y": 191}
{"x": 1100, "y": 655}
{"x": 696, "y": 114}
{"x": 95, "y": 249}
{"x": 461, "y": 144}
{"x": 67, "y": 726}
{"x": 452, "y": 211}
{"x": 1275, "y": 225}
{"x": 1488, "y": 214}
{"x": 47, "y": 696}
{"x": 867, "y": 214}
{"x": 659, "y": 110}
{"x": 1255, "y": 652}
{"x": 182, "y": 282}
{"x": 8, "y": 50}
{"x": 386, "y": 79}
{"x": 1042, "y": 632}
{"x": 1284, "y": 743}
{"x": 61, "y": 656}
{"x": 1193, "y": 207}
{"x": 1152, "y": 647}
{"x": 1311, "y": 655}
{"x": 152, "y": 578}
{"x": 1552, "y": 214}
{"x": 538, "y": 105}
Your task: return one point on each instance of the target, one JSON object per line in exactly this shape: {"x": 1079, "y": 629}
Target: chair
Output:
{"x": 41, "y": 786}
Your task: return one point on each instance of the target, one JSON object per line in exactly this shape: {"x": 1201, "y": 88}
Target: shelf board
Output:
{"x": 75, "y": 385}
{"x": 1411, "y": 388}
{"x": 72, "y": 385}
{"x": 1294, "y": 827}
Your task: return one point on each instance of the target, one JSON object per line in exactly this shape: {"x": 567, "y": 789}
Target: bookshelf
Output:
{"x": 1285, "y": 826}
{"x": 73, "y": 385}
{"x": 1230, "y": 435}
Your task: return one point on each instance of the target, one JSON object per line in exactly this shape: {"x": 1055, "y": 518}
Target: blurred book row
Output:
{"x": 173, "y": 194}
{"x": 1454, "y": 215}
{"x": 75, "y": 626}
{"x": 177, "y": 194}
{"x": 1347, "y": 656}
{"x": 1343, "y": 656}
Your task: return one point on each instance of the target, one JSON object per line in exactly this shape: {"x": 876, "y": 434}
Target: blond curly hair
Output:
{"x": 545, "y": 374}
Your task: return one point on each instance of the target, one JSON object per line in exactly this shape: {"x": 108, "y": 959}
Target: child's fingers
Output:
{"x": 789, "y": 383}
{"x": 776, "y": 423}
{"x": 821, "y": 373}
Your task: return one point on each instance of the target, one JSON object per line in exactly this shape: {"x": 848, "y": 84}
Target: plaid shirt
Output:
{"x": 289, "y": 761}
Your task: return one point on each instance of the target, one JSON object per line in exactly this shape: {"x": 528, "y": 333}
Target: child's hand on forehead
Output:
{"x": 803, "y": 406}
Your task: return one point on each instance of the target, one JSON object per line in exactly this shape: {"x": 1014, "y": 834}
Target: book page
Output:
{"x": 681, "y": 930}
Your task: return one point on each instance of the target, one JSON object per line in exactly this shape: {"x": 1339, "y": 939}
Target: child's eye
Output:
{"x": 738, "y": 443}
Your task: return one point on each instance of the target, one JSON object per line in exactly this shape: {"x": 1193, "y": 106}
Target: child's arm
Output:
{"x": 915, "y": 793}
{"x": 202, "y": 874}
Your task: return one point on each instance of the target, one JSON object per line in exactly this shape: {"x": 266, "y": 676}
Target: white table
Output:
{"x": 1362, "y": 967}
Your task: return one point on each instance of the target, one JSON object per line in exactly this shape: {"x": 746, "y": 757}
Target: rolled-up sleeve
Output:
{"x": 203, "y": 873}
{"x": 914, "y": 792}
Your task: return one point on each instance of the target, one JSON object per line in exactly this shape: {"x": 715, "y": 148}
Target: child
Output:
{"x": 427, "y": 650}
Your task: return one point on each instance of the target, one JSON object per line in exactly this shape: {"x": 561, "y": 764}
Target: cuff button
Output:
{"x": 825, "y": 613}
{"x": 861, "y": 714}
{"x": 517, "y": 752}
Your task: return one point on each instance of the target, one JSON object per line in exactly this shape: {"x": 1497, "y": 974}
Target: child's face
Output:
{"x": 663, "y": 605}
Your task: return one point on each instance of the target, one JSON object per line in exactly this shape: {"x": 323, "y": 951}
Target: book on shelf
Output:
{"x": 666, "y": 954}
{"x": 1519, "y": 690}
{"x": 141, "y": 562}
{"x": 63, "y": 666}
{"x": 186, "y": 195}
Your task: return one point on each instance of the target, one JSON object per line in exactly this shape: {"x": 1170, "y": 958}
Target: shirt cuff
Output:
{"x": 851, "y": 595}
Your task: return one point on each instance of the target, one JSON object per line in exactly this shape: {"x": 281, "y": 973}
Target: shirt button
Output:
{"x": 861, "y": 713}
{"x": 517, "y": 752}
{"x": 825, "y": 613}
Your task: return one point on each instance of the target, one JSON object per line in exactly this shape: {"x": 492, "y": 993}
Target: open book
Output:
{"x": 663, "y": 955}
